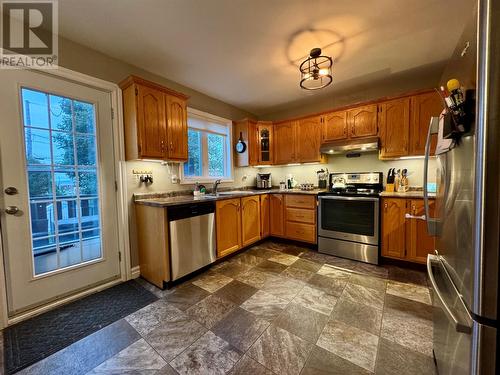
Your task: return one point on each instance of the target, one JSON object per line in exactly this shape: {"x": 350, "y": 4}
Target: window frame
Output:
{"x": 228, "y": 162}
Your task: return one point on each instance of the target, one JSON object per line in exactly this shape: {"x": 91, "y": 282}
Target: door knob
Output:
{"x": 11, "y": 190}
{"x": 11, "y": 210}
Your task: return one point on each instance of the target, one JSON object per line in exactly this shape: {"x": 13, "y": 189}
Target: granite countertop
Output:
{"x": 408, "y": 194}
{"x": 166, "y": 201}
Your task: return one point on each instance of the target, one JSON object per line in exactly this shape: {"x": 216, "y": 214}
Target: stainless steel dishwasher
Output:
{"x": 192, "y": 237}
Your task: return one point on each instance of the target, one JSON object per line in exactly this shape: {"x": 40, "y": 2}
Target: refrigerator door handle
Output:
{"x": 431, "y": 222}
{"x": 459, "y": 326}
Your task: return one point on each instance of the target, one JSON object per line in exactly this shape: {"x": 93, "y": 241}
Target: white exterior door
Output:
{"x": 58, "y": 206}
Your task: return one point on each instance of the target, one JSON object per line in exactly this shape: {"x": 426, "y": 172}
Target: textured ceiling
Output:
{"x": 246, "y": 52}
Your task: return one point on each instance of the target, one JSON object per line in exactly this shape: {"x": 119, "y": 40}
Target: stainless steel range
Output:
{"x": 349, "y": 216}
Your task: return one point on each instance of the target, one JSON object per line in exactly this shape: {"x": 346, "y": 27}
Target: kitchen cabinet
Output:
{"x": 334, "y": 126}
{"x": 152, "y": 240}
{"x": 284, "y": 144}
{"x": 393, "y": 227}
{"x": 405, "y": 238}
{"x": 228, "y": 226}
{"x": 308, "y": 139}
{"x": 177, "y": 129}
{"x": 248, "y": 130}
{"x": 277, "y": 210}
{"x": 419, "y": 243}
{"x": 265, "y": 216}
{"x": 423, "y": 107}
{"x": 155, "y": 121}
{"x": 394, "y": 123}
{"x": 265, "y": 143}
{"x": 300, "y": 217}
{"x": 363, "y": 121}
{"x": 250, "y": 220}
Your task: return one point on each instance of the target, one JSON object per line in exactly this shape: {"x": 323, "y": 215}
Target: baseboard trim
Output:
{"x": 135, "y": 272}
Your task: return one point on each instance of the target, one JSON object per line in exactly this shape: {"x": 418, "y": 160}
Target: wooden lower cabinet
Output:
{"x": 228, "y": 226}
{"x": 277, "y": 211}
{"x": 419, "y": 243}
{"x": 403, "y": 238}
{"x": 265, "y": 216}
{"x": 393, "y": 227}
{"x": 152, "y": 240}
{"x": 250, "y": 220}
{"x": 300, "y": 217}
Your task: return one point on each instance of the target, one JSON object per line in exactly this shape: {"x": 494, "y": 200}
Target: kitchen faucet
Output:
{"x": 216, "y": 184}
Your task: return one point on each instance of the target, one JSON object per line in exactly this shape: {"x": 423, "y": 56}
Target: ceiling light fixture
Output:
{"x": 316, "y": 71}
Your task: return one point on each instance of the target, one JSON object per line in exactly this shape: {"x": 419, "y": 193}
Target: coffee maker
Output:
{"x": 264, "y": 181}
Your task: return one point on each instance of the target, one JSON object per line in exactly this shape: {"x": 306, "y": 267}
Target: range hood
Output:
{"x": 347, "y": 146}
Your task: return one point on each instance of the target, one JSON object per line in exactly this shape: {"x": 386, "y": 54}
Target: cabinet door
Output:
{"x": 228, "y": 224}
{"x": 419, "y": 242}
{"x": 177, "y": 128}
{"x": 253, "y": 143}
{"x": 152, "y": 122}
{"x": 423, "y": 107}
{"x": 265, "y": 217}
{"x": 334, "y": 126}
{"x": 308, "y": 140}
{"x": 265, "y": 143}
{"x": 277, "y": 208}
{"x": 363, "y": 121}
{"x": 395, "y": 127}
{"x": 393, "y": 227}
{"x": 284, "y": 143}
{"x": 250, "y": 219}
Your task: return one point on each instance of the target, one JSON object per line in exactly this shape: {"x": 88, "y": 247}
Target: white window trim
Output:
{"x": 230, "y": 165}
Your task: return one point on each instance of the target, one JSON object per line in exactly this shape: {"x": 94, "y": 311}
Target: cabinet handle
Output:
{"x": 386, "y": 206}
{"x": 171, "y": 146}
{"x": 162, "y": 146}
{"x": 409, "y": 216}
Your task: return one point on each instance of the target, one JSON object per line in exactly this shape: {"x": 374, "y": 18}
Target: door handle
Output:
{"x": 12, "y": 210}
{"x": 11, "y": 190}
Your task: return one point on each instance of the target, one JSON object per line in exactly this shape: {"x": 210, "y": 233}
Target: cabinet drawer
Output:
{"x": 301, "y": 232}
{"x": 300, "y": 201}
{"x": 300, "y": 215}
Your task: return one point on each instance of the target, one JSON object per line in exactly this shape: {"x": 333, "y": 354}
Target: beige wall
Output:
{"x": 368, "y": 162}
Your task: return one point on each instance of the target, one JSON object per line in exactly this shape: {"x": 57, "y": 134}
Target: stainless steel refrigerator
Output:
{"x": 464, "y": 270}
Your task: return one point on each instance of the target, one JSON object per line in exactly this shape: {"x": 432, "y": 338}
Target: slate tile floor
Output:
{"x": 274, "y": 309}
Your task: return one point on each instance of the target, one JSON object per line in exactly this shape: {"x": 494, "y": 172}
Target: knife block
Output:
{"x": 389, "y": 188}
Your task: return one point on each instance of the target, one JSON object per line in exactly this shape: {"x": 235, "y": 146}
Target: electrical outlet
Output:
{"x": 175, "y": 179}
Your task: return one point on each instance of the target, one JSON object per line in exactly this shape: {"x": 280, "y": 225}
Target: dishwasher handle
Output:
{"x": 185, "y": 211}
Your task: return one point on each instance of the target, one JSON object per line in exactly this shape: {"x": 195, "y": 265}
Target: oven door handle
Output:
{"x": 337, "y": 197}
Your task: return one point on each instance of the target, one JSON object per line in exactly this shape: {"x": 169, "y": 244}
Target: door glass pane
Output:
{"x": 65, "y": 223}
{"x": 216, "y": 145}
{"x": 37, "y": 146}
{"x": 35, "y": 108}
{"x": 193, "y": 167}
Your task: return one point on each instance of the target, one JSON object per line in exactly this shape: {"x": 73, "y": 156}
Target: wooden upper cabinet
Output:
{"x": 177, "y": 128}
{"x": 393, "y": 227}
{"x": 334, "y": 126}
{"x": 277, "y": 211}
{"x": 363, "y": 121}
{"x": 394, "y": 121}
{"x": 284, "y": 142}
{"x": 248, "y": 130}
{"x": 308, "y": 139}
{"x": 151, "y": 122}
{"x": 423, "y": 107}
{"x": 265, "y": 217}
{"x": 250, "y": 220}
{"x": 155, "y": 121}
{"x": 419, "y": 242}
{"x": 265, "y": 143}
{"x": 228, "y": 224}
